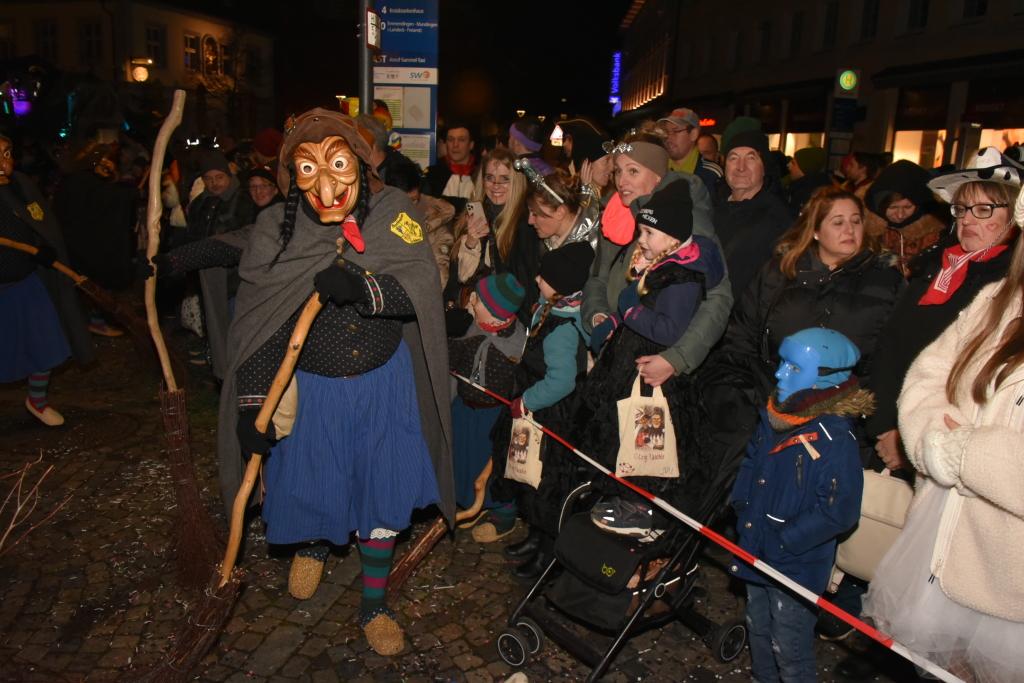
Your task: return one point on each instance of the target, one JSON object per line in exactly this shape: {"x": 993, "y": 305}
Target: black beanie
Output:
{"x": 214, "y": 161}
{"x": 669, "y": 210}
{"x": 567, "y": 268}
{"x": 749, "y": 138}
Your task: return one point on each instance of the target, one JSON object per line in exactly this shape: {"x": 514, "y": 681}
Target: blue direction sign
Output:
{"x": 405, "y": 75}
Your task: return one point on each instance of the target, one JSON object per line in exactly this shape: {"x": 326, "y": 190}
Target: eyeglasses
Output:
{"x": 979, "y": 210}
{"x": 493, "y": 180}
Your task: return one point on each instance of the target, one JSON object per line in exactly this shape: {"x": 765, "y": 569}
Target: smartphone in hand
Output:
{"x": 477, "y": 209}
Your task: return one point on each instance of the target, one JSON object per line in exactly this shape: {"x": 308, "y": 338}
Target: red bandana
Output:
{"x": 954, "y": 272}
{"x": 350, "y": 229}
{"x": 461, "y": 169}
{"x": 494, "y": 327}
{"x": 617, "y": 222}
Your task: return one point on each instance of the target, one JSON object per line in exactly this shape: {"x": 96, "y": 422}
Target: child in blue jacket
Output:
{"x": 553, "y": 364}
{"x": 799, "y": 487}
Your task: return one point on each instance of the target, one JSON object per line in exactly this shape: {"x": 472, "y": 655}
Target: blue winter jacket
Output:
{"x": 790, "y": 505}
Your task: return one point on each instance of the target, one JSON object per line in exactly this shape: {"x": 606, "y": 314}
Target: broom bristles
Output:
{"x": 198, "y": 542}
{"x": 197, "y": 633}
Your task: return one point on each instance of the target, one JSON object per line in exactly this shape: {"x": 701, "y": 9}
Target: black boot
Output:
{"x": 525, "y": 549}
{"x": 532, "y": 568}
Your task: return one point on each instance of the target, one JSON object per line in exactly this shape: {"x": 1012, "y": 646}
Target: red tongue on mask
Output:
{"x": 350, "y": 229}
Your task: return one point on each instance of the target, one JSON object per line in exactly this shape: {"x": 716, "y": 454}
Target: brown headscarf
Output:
{"x": 314, "y": 126}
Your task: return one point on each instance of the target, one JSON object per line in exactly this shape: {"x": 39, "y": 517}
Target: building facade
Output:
{"x": 937, "y": 78}
{"x": 142, "y": 50}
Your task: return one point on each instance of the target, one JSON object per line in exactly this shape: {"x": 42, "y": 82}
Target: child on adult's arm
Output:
{"x": 799, "y": 487}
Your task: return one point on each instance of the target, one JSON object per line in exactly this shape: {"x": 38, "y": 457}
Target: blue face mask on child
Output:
{"x": 798, "y": 369}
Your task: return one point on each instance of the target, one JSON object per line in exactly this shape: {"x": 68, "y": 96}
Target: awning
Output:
{"x": 945, "y": 71}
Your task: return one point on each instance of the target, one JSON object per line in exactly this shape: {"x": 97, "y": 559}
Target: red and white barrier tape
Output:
{"x": 742, "y": 554}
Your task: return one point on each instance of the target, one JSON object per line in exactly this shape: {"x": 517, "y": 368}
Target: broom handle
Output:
{"x": 29, "y": 249}
{"x": 281, "y": 380}
{"x": 153, "y": 232}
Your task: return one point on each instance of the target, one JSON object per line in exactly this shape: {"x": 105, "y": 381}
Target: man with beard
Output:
{"x": 371, "y": 439}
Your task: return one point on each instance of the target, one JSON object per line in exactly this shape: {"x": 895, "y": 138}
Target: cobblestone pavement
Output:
{"x": 92, "y": 593}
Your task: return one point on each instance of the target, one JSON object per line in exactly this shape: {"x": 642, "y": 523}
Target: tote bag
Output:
{"x": 647, "y": 439}
{"x": 523, "y": 463}
{"x": 882, "y": 513}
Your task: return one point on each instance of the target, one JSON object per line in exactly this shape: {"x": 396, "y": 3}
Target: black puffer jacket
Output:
{"x": 855, "y": 299}
{"x": 912, "y": 327}
{"x": 748, "y": 230}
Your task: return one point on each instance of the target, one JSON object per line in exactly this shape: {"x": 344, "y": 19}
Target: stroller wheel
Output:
{"x": 728, "y": 640}
{"x": 513, "y": 646}
{"x": 533, "y": 632}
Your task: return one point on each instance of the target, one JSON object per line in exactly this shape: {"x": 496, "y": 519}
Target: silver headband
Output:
{"x": 535, "y": 177}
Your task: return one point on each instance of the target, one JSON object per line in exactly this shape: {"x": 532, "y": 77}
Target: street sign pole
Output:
{"x": 366, "y": 44}
{"x": 844, "y": 116}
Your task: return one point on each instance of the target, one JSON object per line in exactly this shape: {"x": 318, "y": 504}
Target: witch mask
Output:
{"x": 328, "y": 173}
{"x": 6, "y": 161}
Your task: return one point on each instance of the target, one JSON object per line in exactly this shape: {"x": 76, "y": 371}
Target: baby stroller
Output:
{"x": 619, "y": 585}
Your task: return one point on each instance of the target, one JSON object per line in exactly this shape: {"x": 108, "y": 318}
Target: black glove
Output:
{"x": 340, "y": 285}
{"x": 457, "y": 321}
{"x": 250, "y": 438}
{"x": 46, "y": 256}
{"x": 163, "y": 262}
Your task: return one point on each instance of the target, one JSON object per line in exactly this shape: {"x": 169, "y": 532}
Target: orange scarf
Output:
{"x": 617, "y": 223}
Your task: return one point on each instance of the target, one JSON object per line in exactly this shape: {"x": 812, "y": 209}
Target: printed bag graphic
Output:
{"x": 524, "y": 453}
{"x": 647, "y": 439}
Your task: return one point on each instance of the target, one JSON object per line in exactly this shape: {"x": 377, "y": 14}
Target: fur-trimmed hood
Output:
{"x": 927, "y": 224}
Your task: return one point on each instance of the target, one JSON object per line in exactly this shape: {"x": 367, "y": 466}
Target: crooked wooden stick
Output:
{"x": 153, "y": 213}
{"x": 281, "y": 380}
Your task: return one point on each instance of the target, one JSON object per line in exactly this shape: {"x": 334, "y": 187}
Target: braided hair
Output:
{"x": 291, "y": 206}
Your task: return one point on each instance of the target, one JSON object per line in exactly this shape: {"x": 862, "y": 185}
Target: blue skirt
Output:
{"x": 471, "y": 446}
{"x": 356, "y": 459}
{"x": 31, "y": 337}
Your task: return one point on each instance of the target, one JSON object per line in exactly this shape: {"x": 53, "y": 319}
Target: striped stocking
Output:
{"x": 38, "y": 382}
{"x": 376, "y": 554}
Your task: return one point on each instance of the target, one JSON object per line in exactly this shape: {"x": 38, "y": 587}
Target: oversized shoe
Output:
{"x": 48, "y": 416}
{"x": 304, "y": 577}
{"x": 488, "y": 532}
{"x": 384, "y": 634}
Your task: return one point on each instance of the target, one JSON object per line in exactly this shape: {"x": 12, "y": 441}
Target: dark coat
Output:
{"x": 800, "y": 190}
{"x": 855, "y": 299}
{"x": 813, "y": 500}
{"x": 97, "y": 218}
{"x": 28, "y": 202}
{"x": 748, "y": 230}
{"x": 912, "y": 327}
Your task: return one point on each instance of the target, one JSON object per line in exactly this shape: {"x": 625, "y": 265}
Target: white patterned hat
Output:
{"x": 988, "y": 164}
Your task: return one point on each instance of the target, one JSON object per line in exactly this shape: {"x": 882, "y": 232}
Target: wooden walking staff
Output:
{"x": 252, "y": 470}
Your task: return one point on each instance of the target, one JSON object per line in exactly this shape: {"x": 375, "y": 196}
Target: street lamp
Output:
{"x": 140, "y": 69}
{"x": 521, "y": 112}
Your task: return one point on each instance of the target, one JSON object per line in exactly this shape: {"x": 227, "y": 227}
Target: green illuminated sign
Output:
{"x": 848, "y": 80}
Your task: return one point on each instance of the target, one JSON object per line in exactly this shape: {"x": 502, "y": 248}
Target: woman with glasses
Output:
{"x": 949, "y": 275}
{"x": 499, "y": 241}
{"x": 263, "y": 189}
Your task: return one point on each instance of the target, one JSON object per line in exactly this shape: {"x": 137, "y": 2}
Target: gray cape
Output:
{"x": 215, "y": 301}
{"x": 59, "y": 286}
{"x": 268, "y": 296}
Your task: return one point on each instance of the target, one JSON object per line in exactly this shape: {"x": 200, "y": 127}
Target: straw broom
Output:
{"x": 198, "y": 541}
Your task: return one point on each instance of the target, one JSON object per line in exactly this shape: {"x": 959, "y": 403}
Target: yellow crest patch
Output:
{"x": 408, "y": 229}
{"x": 36, "y": 211}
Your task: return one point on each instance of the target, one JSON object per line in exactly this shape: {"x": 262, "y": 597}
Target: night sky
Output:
{"x": 496, "y": 56}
